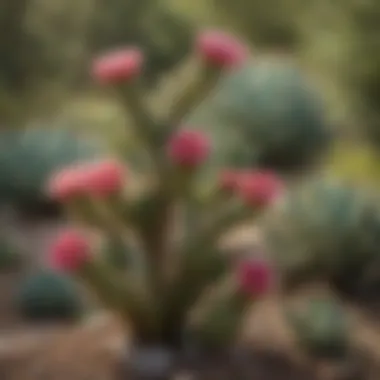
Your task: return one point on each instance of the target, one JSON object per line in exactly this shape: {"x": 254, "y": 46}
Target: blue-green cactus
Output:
{"x": 49, "y": 296}
{"x": 265, "y": 114}
{"x": 28, "y": 158}
{"x": 321, "y": 329}
{"x": 328, "y": 230}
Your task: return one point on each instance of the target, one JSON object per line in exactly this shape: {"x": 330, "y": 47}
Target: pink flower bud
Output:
{"x": 188, "y": 148}
{"x": 104, "y": 178}
{"x": 70, "y": 251}
{"x": 255, "y": 277}
{"x": 66, "y": 184}
{"x": 221, "y": 50}
{"x": 118, "y": 66}
{"x": 259, "y": 189}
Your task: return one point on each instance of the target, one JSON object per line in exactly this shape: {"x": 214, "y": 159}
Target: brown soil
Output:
{"x": 95, "y": 349}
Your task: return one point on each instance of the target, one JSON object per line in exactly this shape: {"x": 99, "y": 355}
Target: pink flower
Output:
{"x": 104, "y": 178}
{"x": 70, "y": 251}
{"x": 118, "y": 66}
{"x": 66, "y": 184}
{"x": 188, "y": 148}
{"x": 221, "y": 50}
{"x": 255, "y": 277}
{"x": 259, "y": 188}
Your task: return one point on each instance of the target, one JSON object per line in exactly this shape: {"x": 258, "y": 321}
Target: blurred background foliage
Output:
{"x": 45, "y": 47}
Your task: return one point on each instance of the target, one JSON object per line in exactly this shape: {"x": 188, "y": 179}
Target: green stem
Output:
{"x": 145, "y": 126}
{"x": 201, "y": 264}
{"x": 116, "y": 230}
{"x": 218, "y": 314}
{"x": 151, "y": 219}
{"x": 127, "y": 295}
{"x": 194, "y": 94}
{"x": 84, "y": 211}
{"x": 222, "y": 222}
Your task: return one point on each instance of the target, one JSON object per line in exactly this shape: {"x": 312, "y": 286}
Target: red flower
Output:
{"x": 188, "y": 148}
{"x": 118, "y": 66}
{"x": 221, "y": 50}
{"x": 104, "y": 178}
{"x": 66, "y": 184}
{"x": 259, "y": 188}
{"x": 255, "y": 277}
{"x": 70, "y": 251}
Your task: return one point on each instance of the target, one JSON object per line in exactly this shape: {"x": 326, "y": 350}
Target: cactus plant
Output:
{"x": 329, "y": 230}
{"x": 321, "y": 329}
{"x": 49, "y": 296}
{"x": 174, "y": 230}
{"x": 270, "y": 117}
{"x": 28, "y": 158}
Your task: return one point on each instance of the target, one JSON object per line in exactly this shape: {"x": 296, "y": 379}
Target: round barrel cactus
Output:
{"x": 266, "y": 114}
{"x": 321, "y": 329}
{"x": 28, "y": 158}
{"x": 328, "y": 230}
{"x": 49, "y": 296}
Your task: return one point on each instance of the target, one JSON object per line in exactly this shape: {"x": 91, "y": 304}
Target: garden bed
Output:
{"x": 95, "y": 348}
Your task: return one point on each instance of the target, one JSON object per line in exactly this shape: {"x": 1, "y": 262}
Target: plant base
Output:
{"x": 153, "y": 362}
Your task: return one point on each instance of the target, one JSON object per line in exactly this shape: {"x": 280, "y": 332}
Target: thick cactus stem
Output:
{"x": 188, "y": 287}
{"x": 201, "y": 263}
{"x": 97, "y": 214}
{"x": 194, "y": 94}
{"x": 126, "y": 295}
{"x": 144, "y": 124}
{"x": 145, "y": 127}
{"x": 220, "y": 223}
{"x": 119, "y": 254}
{"x": 84, "y": 211}
{"x": 218, "y": 315}
{"x": 151, "y": 217}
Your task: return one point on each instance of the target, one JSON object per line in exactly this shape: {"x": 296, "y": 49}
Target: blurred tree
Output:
{"x": 12, "y": 41}
{"x": 165, "y": 36}
{"x": 41, "y": 45}
{"x": 362, "y": 66}
{"x": 343, "y": 43}
{"x": 45, "y": 46}
{"x": 271, "y": 23}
